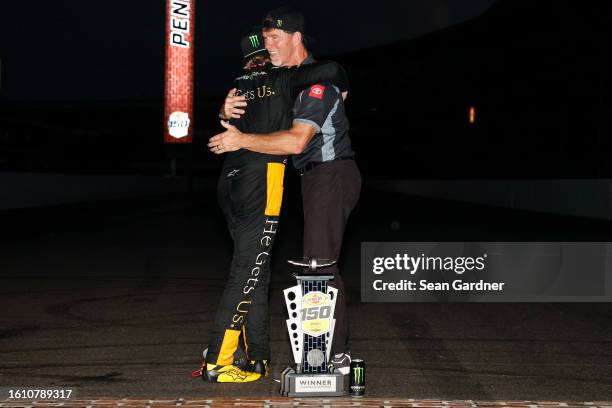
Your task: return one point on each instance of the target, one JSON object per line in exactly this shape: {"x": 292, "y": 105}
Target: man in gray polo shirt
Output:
{"x": 320, "y": 143}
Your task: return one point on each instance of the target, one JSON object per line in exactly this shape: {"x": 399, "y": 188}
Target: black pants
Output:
{"x": 330, "y": 192}
{"x": 250, "y": 197}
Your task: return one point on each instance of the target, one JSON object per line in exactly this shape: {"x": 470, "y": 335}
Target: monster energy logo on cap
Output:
{"x": 251, "y": 44}
{"x": 285, "y": 18}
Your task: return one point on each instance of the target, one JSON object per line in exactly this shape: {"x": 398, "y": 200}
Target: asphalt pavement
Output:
{"x": 116, "y": 299}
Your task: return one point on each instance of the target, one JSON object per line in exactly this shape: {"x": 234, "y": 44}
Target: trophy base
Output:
{"x": 311, "y": 385}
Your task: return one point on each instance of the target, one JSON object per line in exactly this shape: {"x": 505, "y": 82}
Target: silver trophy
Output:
{"x": 310, "y": 305}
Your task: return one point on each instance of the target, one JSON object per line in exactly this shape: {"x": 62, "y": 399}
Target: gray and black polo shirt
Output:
{"x": 322, "y": 107}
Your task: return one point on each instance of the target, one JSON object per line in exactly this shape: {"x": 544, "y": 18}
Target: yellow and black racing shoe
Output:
{"x": 228, "y": 374}
{"x": 258, "y": 366}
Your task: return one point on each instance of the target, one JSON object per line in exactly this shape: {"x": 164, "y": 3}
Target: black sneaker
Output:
{"x": 258, "y": 366}
{"x": 341, "y": 363}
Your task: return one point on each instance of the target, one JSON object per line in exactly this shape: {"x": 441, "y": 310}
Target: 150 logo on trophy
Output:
{"x": 316, "y": 313}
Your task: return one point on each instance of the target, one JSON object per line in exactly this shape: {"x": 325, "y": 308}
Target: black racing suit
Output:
{"x": 250, "y": 190}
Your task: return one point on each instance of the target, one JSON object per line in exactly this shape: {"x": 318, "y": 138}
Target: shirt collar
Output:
{"x": 309, "y": 60}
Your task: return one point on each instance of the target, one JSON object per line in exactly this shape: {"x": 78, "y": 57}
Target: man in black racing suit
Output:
{"x": 250, "y": 190}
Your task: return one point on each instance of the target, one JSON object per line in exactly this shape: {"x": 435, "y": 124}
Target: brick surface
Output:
{"x": 299, "y": 402}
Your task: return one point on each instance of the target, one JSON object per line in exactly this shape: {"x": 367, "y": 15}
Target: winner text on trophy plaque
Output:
{"x": 310, "y": 305}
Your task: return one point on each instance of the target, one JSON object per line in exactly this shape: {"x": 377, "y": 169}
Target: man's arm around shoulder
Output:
{"x": 292, "y": 141}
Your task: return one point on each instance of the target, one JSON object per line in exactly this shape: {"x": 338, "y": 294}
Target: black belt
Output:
{"x": 311, "y": 165}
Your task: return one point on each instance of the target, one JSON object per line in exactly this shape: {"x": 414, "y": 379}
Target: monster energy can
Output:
{"x": 357, "y": 380}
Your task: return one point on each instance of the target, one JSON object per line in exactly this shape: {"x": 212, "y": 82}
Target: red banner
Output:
{"x": 180, "y": 33}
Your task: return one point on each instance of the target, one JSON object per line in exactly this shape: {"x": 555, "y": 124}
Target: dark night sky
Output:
{"x": 68, "y": 49}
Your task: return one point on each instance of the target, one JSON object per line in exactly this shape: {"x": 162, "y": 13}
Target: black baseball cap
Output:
{"x": 284, "y": 18}
{"x": 252, "y": 43}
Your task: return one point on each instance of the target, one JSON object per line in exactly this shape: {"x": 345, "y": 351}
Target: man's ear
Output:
{"x": 297, "y": 38}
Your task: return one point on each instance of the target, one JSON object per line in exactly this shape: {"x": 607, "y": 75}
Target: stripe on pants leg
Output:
{"x": 228, "y": 347}
{"x": 276, "y": 173}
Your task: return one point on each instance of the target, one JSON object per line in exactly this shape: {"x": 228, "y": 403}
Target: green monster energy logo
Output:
{"x": 254, "y": 41}
{"x": 358, "y": 373}
{"x": 279, "y": 23}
